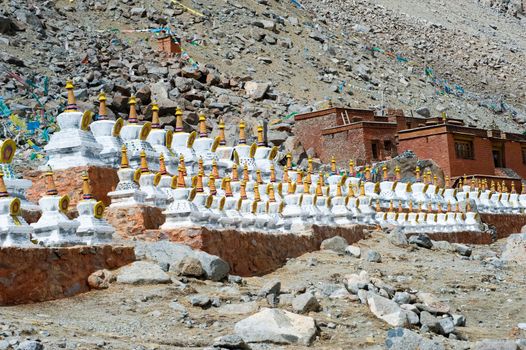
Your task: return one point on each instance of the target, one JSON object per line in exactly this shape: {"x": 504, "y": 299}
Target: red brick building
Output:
{"x": 367, "y": 136}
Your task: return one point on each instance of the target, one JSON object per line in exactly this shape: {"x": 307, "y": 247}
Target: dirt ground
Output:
{"x": 493, "y": 299}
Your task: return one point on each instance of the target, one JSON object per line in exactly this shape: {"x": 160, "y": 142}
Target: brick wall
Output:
{"x": 308, "y": 130}
{"x": 433, "y": 147}
{"x": 482, "y": 164}
{"x": 344, "y": 146}
{"x": 513, "y": 158}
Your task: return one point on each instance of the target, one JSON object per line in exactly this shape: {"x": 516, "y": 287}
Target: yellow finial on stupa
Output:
{"x": 333, "y": 165}
{"x": 259, "y": 180}
{"x": 384, "y": 172}
{"x": 289, "y": 161}
{"x": 156, "y": 123}
{"x": 3, "y": 189}
{"x": 362, "y": 189}
{"x": 246, "y": 177}
{"x": 180, "y": 177}
{"x": 291, "y": 189}
{"x": 235, "y": 175}
{"x": 272, "y": 173}
{"x": 351, "y": 168}
{"x": 124, "y": 158}
{"x": 367, "y": 173}
{"x": 144, "y": 163}
{"x": 397, "y": 173}
{"x": 261, "y": 141}
{"x": 448, "y": 182}
{"x": 222, "y": 138}
{"x": 228, "y": 187}
{"x": 162, "y": 165}
{"x": 243, "y": 190}
{"x": 132, "y": 117}
{"x": 178, "y": 120}
{"x": 202, "y": 126}
{"x": 391, "y": 206}
{"x": 299, "y": 177}
{"x": 306, "y": 187}
{"x": 350, "y": 190}
{"x": 309, "y": 165}
{"x": 319, "y": 190}
{"x": 182, "y": 165}
{"x": 417, "y": 173}
{"x": 51, "y": 189}
{"x": 212, "y": 184}
{"x": 200, "y": 165}
{"x": 72, "y": 102}
{"x": 215, "y": 171}
{"x": 86, "y": 189}
{"x": 271, "y": 195}
{"x": 242, "y": 134}
{"x": 338, "y": 190}
{"x": 286, "y": 178}
{"x": 257, "y": 196}
{"x": 199, "y": 183}
{"x": 103, "y": 112}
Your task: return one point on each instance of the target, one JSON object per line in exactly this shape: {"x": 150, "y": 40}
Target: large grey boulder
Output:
{"x": 304, "y": 303}
{"x": 387, "y": 310}
{"x": 276, "y": 326}
{"x": 142, "y": 272}
{"x": 404, "y": 339}
{"x": 336, "y": 244}
{"x": 30, "y": 345}
{"x": 172, "y": 254}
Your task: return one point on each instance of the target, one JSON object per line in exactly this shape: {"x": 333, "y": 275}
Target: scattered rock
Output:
{"x": 305, "y": 303}
{"x": 142, "y": 272}
{"x": 189, "y": 266}
{"x": 271, "y": 287}
{"x": 515, "y": 249}
{"x": 336, "y": 244}
{"x": 30, "y": 345}
{"x": 421, "y": 240}
{"x": 496, "y": 345}
{"x": 230, "y": 341}
{"x": 256, "y": 90}
{"x": 398, "y": 238}
{"x": 387, "y": 310}
{"x": 462, "y": 249}
{"x": 100, "y": 279}
{"x": 374, "y": 256}
{"x": 199, "y": 300}
{"x": 353, "y": 251}
{"x": 404, "y": 339}
{"x": 277, "y": 327}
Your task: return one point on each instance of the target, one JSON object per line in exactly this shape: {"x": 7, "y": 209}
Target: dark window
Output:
{"x": 524, "y": 156}
{"x": 388, "y": 145}
{"x": 374, "y": 146}
{"x": 464, "y": 149}
{"x": 498, "y": 157}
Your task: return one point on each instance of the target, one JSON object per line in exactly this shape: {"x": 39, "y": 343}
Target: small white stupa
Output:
{"x": 74, "y": 144}
{"x": 107, "y": 133}
{"x": 127, "y": 192}
{"x": 93, "y": 229}
{"x": 54, "y": 228}
{"x": 14, "y": 230}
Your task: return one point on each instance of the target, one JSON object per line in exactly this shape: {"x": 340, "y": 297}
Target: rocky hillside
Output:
{"x": 264, "y": 60}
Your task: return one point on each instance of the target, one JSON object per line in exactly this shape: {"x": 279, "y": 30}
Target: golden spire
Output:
{"x": 429, "y": 207}
{"x": 448, "y": 182}
{"x": 272, "y": 173}
{"x": 523, "y": 188}
{"x": 351, "y": 168}
{"x": 384, "y": 173}
{"x": 212, "y": 184}
{"x": 299, "y": 177}
{"x": 124, "y": 158}
{"x": 156, "y": 124}
{"x": 178, "y": 120}
{"x": 439, "y": 207}
{"x": 144, "y": 163}
{"x": 308, "y": 178}
{"x": 367, "y": 173}
{"x": 86, "y": 189}
{"x": 72, "y": 103}
{"x": 289, "y": 161}
{"x": 400, "y": 208}
{"x": 103, "y": 113}
{"x": 271, "y": 195}
{"x": 492, "y": 186}
{"x": 215, "y": 172}
{"x": 410, "y": 206}
{"x": 259, "y": 180}
{"x": 306, "y": 187}
{"x": 180, "y": 178}
{"x": 333, "y": 165}
{"x": 246, "y": 177}
{"x": 162, "y": 165}
{"x": 132, "y": 117}
{"x": 468, "y": 207}
{"x": 200, "y": 166}
{"x": 499, "y": 189}
{"x": 362, "y": 189}
{"x": 417, "y": 173}
{"x": 228, "y": 188}
{"x": 3, "y": 189}
{"x": 243, "y": 190}
{"x": 391, "y": 206}
{"x": 397, "y": 173}
{"x": 309, "y": 165}
{"x": 242, "y": 135}
{"x": 199, "y": 183}
{"x": 222, "y": 139}
{"x": 182, "y": 165}
{"x": 51, "y": 189}
{"x": 435, "y": 180}
{"x": 319, "y": 190}
{"x": 449, "y": 206}
{"x": 460, "y": 183}
{"x": 350, "y": 190}
{"x": 202, "y": 126}
{"x": 377, "y": 207}
{"x": 261, "y": 141}
{"x": 257, "y": 196}
{"x": 472, "y": 183}
{"x": 420, "y": 207}
{"x": 235, "y": 175}
{"x": 286, "y": 178}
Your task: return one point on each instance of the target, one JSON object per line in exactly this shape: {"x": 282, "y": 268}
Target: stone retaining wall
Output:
{"x": 30, "y": 275}
{"x": 257, "y": 253}
{"x": 506, "y": 224}
{"x": 133, "y": 221}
